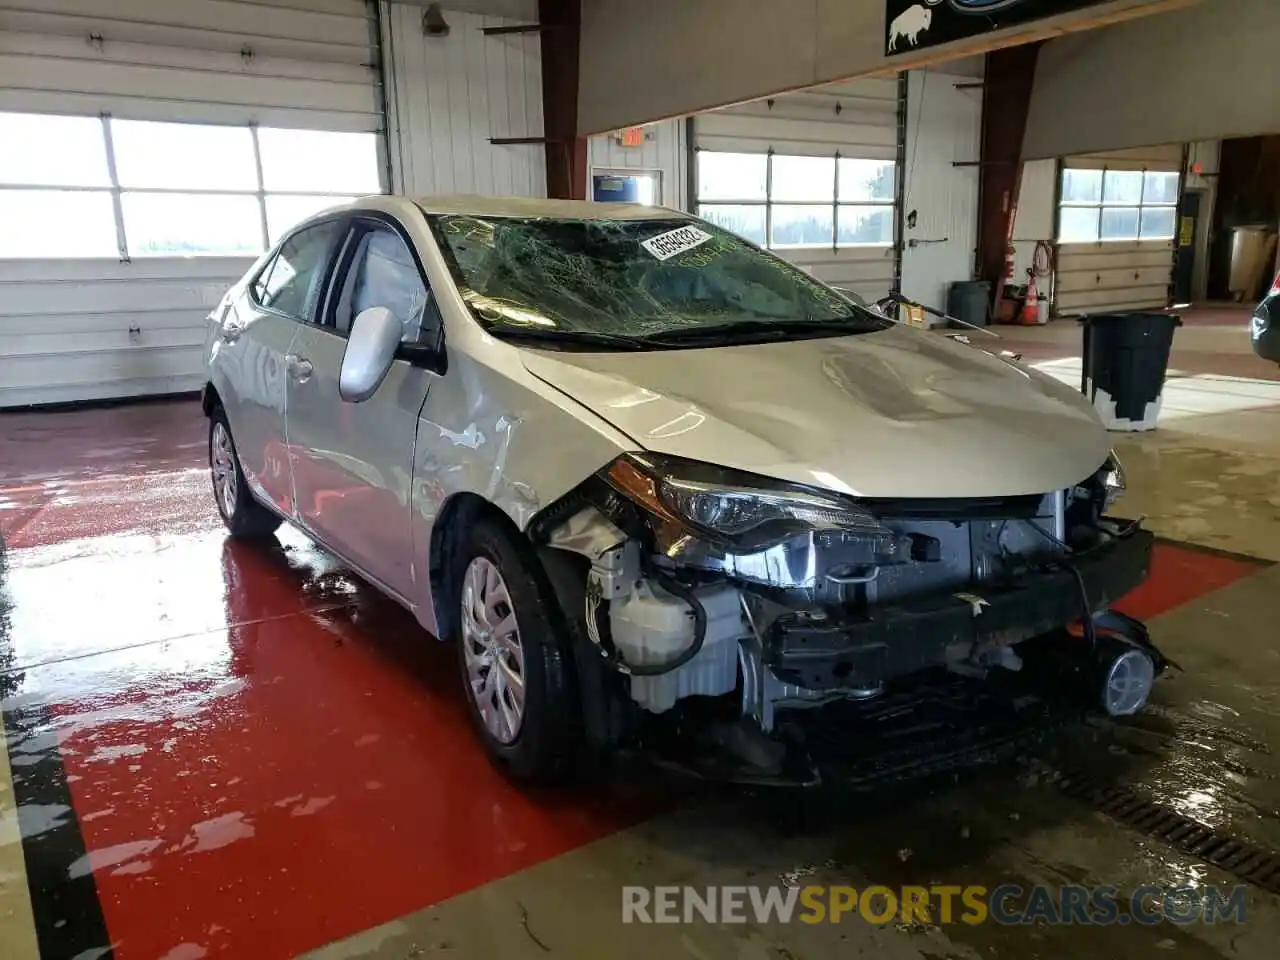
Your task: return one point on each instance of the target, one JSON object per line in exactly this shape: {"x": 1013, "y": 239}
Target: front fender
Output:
{"x": 506, "y": 437}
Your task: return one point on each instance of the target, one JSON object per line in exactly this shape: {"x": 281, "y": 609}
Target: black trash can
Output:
{"x": 970, "y": 301}
{"x": 1126, "y": 356}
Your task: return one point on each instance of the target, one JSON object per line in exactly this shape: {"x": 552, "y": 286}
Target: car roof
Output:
{"x": 535, "y": 207}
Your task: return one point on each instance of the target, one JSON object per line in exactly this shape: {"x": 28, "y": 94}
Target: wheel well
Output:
{"x": 459, "y": 512}
{"x": 209, "y": 399}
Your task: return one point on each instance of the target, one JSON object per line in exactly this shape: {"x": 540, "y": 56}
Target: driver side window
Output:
{"x": 383, "y": 273}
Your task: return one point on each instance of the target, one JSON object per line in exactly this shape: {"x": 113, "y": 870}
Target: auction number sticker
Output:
{"x": 675, "y": 242}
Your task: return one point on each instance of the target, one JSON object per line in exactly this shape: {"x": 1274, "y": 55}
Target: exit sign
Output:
{"x": 631, "y": 137}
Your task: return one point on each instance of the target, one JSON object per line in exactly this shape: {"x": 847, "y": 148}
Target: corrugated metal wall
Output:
{"x": 449, "y": 95}
{"x": 291, "y": 63}
{"x": 944, "y": 127}
{"x": 1116, "y": 275}
{"x": 1036, "y": 217}
{"x": 665, "y": 151}
{"x": 859, "y": 118}
{"x": 65, "y": 324}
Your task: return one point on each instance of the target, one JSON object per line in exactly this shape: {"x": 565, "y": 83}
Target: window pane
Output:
{"x": 1079, "y": 225}
{"x": 866, "y": 179}
{"x": 745, "y": 221}
{"x": 1122, "y": 186}
{"x": 731, "y": 176}
{"x": 865, "y": 225}
{"x": 804, "y": 178}
{"x": 56, "y": 223}
{"x": 1081, "y": 186}
{"x": 177, "y": 155}
{"x": 319, "y": 161}
{"x": 290, "y": 282}
{"x": 182, "y": 224}
{"x": 802, "y": 226}
{"x": 53, "y": 151}
{"x": 1157, "y": 223}
{"x": 386, "y": 276}
{"x": 1160, "y": 188}
{"x": 286, "y": 210}
{"x": 1120, "y": 223}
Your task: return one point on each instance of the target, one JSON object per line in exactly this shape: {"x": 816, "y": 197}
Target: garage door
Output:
{"x": 1116, "y": 224}
{"x": 151, "y": 151}
{"x": 811, "y": 175}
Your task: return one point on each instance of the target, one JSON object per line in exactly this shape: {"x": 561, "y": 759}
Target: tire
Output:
{"x": 544, "y": 742}
{"x": 244, "y": 516}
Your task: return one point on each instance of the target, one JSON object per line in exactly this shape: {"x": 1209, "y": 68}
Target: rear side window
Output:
{"x": 290, "y": 283}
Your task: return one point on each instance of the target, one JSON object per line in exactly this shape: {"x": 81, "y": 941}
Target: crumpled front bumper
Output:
{"x": 892, "y": 640}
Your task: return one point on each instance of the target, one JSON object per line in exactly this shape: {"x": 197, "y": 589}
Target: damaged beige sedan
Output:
{"x": 658, "y": 486}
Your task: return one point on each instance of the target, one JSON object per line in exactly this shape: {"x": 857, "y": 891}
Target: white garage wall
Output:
{"x": 449, "y": 95}
{"x": 944, "y": 127}
{"x": 1036, "y": 217}
{"x": 91, "y": 329}
{"x": 665, "y": 151}
{"x": 858, "y": 118}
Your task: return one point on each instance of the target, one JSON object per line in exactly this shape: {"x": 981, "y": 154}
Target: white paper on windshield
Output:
{"x": 675, "y": 242}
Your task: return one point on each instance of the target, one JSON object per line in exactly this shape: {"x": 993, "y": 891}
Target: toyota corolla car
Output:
{"x": 634, "y": 467}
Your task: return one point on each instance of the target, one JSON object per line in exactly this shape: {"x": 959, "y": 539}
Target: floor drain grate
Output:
{"x": 1241, "y": 858}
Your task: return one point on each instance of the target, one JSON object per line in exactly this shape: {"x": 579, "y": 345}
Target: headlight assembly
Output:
{"x": 1113, "y": 479}
{"x": 742, "y": 512}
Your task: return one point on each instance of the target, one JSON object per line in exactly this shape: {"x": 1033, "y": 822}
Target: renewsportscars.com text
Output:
{"x": 935, "y": 904}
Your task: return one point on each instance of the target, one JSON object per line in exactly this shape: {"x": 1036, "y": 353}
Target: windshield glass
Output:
{"x": 631, "y": 278}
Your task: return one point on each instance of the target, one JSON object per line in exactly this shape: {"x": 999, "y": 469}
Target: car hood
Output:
{"x": 896, "y": 413}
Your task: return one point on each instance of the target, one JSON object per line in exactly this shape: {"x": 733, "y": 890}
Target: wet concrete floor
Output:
{"x": 215, "y": 749}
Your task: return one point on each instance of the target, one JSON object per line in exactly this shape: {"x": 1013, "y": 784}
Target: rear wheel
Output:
{"x": 515, "y": 663}
{"x": 244, "y": 516}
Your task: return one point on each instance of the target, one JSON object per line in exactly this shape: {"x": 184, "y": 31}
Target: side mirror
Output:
{"x": 371, "y": 346}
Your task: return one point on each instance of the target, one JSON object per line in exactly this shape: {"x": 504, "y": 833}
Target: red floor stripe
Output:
{"x": 264, "y": 790}
{"x": 1180, "y": 575}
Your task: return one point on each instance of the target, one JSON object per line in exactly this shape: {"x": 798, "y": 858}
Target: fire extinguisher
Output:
{"x": 1009, "y": 256}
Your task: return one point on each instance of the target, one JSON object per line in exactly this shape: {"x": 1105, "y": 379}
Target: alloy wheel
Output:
{"x": 492, "y": 652}
{"x": 222, "y": 461}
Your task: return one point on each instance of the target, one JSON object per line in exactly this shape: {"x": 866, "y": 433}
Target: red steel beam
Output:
{"x": 1010, "y": 75}
{"x": 566, "y": 150}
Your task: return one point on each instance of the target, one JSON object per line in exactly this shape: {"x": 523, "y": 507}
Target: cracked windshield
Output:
{"x": 631, "y": 279}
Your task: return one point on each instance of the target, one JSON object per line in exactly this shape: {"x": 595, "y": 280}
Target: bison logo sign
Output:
{"x": 912, "y": 24}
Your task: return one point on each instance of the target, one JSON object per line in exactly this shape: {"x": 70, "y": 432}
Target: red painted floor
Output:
{"x": 263, "y": 754}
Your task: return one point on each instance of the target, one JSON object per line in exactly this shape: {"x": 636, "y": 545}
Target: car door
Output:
{"x": 254, "y": 350}
{"x": 353, "y": 462}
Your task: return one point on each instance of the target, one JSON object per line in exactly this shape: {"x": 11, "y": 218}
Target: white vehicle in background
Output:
{"x": 636, "y": 469}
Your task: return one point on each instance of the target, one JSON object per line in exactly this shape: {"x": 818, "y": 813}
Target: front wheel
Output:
{"x": 244, "y": 516}
{"x": 515, "y": 663}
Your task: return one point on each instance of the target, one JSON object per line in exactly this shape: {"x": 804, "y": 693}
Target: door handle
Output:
{"x": 299, "y": 367}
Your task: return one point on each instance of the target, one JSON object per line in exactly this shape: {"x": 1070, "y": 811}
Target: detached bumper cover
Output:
{"x": 893, "y": 640}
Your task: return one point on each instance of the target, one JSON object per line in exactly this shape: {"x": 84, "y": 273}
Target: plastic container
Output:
{"x": 970, "y": 301}
{"x": 1126, "y": 357}
{"x": 652, "y": 626}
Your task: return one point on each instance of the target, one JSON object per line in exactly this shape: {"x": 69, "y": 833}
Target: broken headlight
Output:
{"x": 1113, "y": 480}
{"x": 743, "y": 512}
